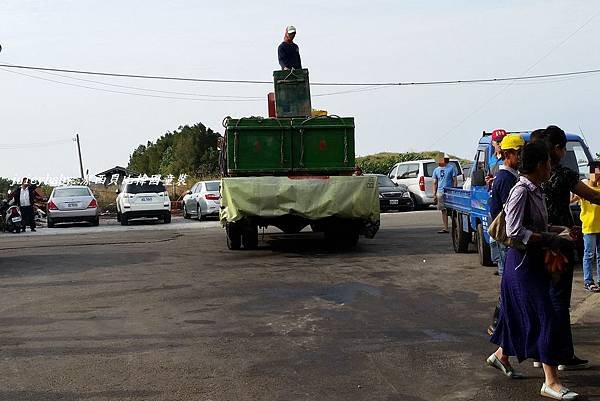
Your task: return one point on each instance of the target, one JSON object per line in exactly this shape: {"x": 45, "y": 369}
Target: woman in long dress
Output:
{"x": 528, "y": 326}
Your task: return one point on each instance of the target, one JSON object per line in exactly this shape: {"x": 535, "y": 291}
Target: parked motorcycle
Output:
{"x": 12, "y": 221}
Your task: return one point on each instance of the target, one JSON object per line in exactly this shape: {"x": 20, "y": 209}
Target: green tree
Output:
{"x": 5, "y": 185}
{"x": 138, "y": 161}
{"x": 166, "y": 161}
{"x": 381, "y": 163}
{"x": 188, "y": 149}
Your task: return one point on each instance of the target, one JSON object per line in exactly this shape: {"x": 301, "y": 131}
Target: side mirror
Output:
{"x": 117, "y": 191}
{"x": 396, "y": 184}
{"x": 188, "y": 192}
{"x": 478, "y": 178}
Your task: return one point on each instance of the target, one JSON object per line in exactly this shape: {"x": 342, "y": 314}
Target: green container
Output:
{"x": 323, "y": 145}
{"x": 292, "y": 93}
{"x": 258, "y": 146}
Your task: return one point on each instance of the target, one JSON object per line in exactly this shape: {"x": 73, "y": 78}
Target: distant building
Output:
{"x": 116, "y": 175}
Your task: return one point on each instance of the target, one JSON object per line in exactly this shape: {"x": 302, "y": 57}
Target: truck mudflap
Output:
{"x": 311, "y": 198}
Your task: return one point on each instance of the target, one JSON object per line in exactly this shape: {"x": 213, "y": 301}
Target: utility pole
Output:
{"x": 79, "y": 152}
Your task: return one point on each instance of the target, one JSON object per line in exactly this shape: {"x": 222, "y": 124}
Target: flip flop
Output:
{"x": 443, "y": 231}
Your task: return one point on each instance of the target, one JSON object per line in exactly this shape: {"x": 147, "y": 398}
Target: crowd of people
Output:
{"x": 531, "y": 192}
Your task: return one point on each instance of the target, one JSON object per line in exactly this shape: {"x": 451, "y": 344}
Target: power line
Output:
{"x": 512, "y": 82}
{"x": 35, "y": 144}
{"x": 155, "y": 90}
{"x": 242, "y": 81}
{"x": 126, "y": 93}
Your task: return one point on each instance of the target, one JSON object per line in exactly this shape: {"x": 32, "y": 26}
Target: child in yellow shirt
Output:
{"x": 590, "y": 219}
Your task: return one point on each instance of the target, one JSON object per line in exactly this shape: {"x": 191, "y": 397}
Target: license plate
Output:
{"x": 16, "y": 219}
{"x": 393, "y": 201}
{"x": 71, "y": 205}
{"x": 146, "y": 199}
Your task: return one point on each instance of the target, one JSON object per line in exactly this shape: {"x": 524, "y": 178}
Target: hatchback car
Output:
{"x": 203, "y": 199}
{"x": 416, "y": 175}
{"x": 143, "y": 199}
{"x": 393, "y": 196}
{"x": 72, "y": 203}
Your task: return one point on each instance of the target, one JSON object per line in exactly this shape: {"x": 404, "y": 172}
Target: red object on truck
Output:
{"x": 271, "y": 102}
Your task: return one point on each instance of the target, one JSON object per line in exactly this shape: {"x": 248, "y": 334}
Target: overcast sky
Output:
{"x": 341, "y": 41}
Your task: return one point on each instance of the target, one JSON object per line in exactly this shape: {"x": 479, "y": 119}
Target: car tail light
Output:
{"x": 52, "y": 206}
{"x": 93, "y": 204}
{"x": 422, "y": 183}
{"x": 211, "y": 197}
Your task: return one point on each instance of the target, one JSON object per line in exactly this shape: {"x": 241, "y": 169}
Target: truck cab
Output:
{"x": 468, "y": 208}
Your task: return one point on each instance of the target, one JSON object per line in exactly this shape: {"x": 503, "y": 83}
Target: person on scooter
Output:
{"x": 24, "y": 197}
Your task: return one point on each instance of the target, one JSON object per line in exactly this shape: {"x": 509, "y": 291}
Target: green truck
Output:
{"x": 294, "y": 171}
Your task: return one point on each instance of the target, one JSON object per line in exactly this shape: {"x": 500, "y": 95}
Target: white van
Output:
{"x": 416, "y": 175}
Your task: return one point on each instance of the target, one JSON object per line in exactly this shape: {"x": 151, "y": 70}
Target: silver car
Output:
{"x": 203, "y": 199}
{"x": 72, "y": 203}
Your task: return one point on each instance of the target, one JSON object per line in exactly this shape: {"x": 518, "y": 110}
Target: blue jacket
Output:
{"x": 289, "y": 56}
{"x": 504, "y": 181}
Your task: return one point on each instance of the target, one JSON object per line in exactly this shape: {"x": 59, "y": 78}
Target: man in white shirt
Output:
{"x": 24, "y": 197}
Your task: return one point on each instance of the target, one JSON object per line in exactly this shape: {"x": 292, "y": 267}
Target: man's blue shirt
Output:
{"x": 445, "y": 176}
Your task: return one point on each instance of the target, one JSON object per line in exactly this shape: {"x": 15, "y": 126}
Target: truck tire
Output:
{"x": 186, "y": 215}
{"x": 483, "y": 248}
{"x": 460, "y": 239}
{"x": 50, "y": 222}
{"x": 234, "y": 236}
{"x": 167, "y": 218}
{"x": 250, "y": 237}
{"x": 124, "y": 220}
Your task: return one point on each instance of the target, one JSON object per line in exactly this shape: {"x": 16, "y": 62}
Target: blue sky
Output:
{"x": 366, "y": 41}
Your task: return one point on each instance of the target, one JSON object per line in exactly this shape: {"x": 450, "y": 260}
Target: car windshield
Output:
{"x": 69, "y": 192}
{"x": 139, "y": 188}
{"x": 384, "y": 181}
{"x": 212, "y": 186}
{"x": 576, "y": 159}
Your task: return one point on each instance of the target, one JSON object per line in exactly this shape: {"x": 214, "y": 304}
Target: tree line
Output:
{"x": 188, "y": 150}
{"x": 381, "y": 163}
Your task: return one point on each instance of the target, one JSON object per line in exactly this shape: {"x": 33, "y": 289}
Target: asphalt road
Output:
{"x": 166, "y": 312}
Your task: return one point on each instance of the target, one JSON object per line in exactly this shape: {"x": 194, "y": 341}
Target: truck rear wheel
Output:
{"x": 483, "y": 248}
{"x": 250, "y": 236}
{"x": 234, "y": 236}
{"x": 460, "y": 239}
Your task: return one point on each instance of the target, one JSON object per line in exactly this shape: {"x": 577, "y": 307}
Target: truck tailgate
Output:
{"x": 458, "y": 199}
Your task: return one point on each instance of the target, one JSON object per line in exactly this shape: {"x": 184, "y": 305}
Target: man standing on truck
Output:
{"x": 444, "y": 176}
{"x": 495, "y": 158}
{"x": 288, "y": 52}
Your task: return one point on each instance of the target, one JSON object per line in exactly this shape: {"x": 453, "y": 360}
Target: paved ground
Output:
{"x": 166, "y": 312}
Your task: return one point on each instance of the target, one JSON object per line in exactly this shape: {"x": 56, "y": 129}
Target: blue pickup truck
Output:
{"x": 468, "y": 208}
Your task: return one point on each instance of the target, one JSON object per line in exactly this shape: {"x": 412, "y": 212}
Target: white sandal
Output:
{"x": 563, "y": 394}
{"x": 494, "y": 362}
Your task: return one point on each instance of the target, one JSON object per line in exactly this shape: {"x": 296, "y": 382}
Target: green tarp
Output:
{"x": 312, "y": 198}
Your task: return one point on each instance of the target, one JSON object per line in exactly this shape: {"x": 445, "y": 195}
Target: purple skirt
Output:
{"x": 528, "y": 325}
